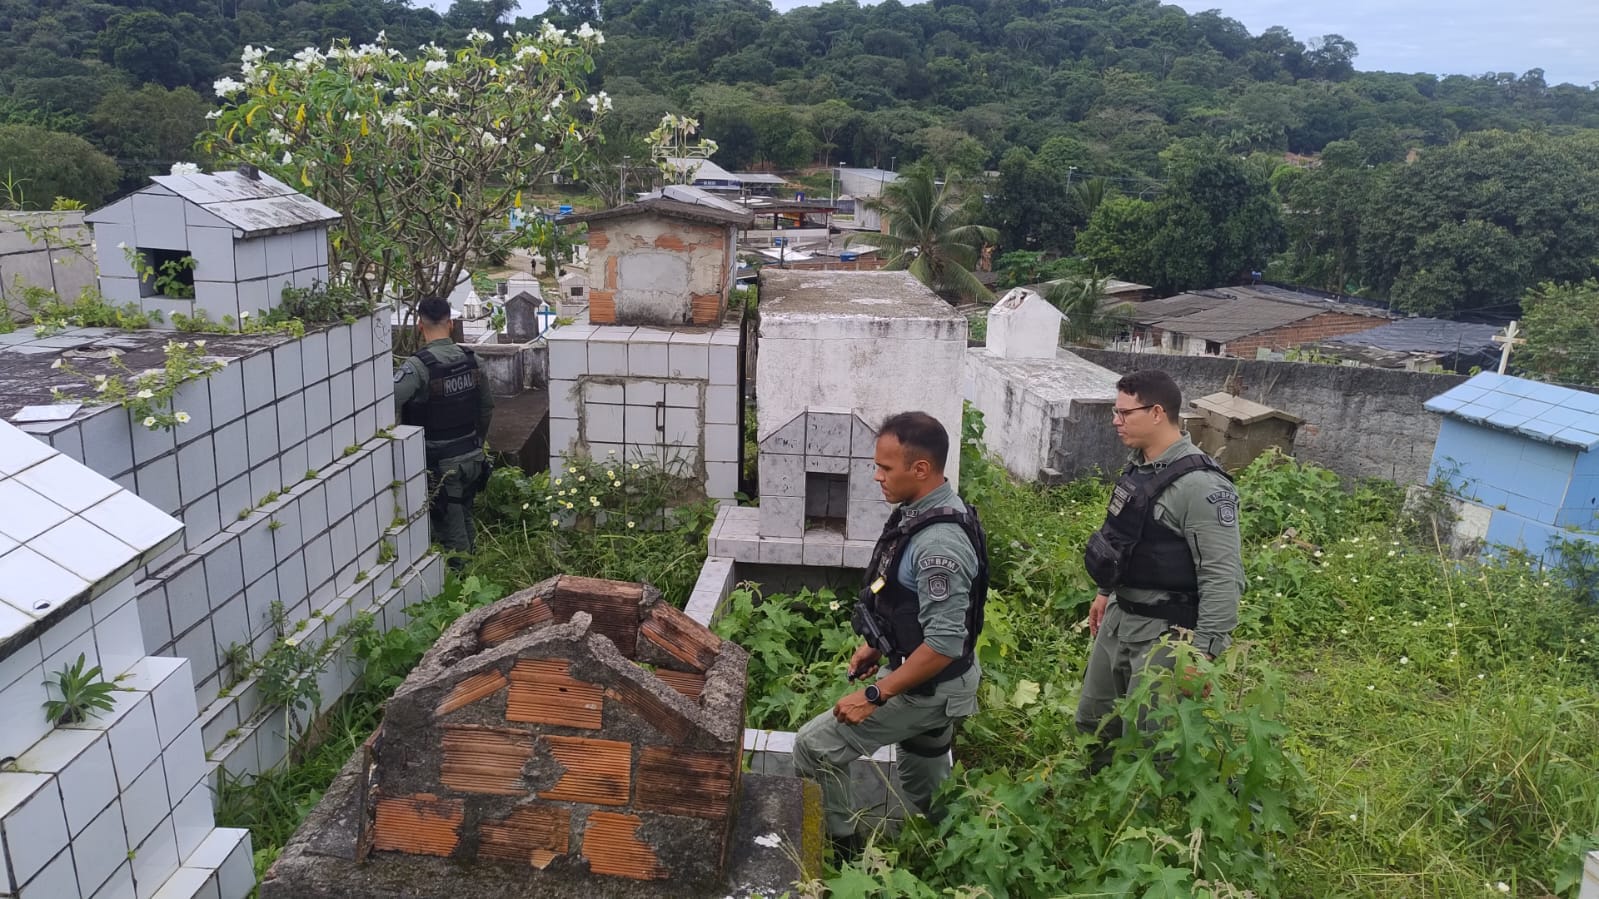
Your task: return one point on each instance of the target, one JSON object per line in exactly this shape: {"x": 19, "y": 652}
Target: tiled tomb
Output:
{"x": 250, "y": 236}
{"x": 838, "y": 353}
{"x": 653, "y": 373}
{"x": 117, "y": 805}
{"x": 293, "y": 483}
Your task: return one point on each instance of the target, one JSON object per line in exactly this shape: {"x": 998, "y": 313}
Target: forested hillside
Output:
{"x": 1073, "y": 103}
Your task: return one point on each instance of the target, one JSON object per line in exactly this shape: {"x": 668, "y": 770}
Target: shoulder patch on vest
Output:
{"x": 1226, "y": 503}
{"x": 940, "y": 562}
{"x": 402, "y": 371}
{"x": 938, "y": 587}
{"x": 1223, "y": 496}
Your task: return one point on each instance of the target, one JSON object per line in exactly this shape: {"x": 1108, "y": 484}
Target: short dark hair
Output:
{"x": 434, "y": 310}
{"x": 920, "y": 434}
{"x": 1155, "y": 387}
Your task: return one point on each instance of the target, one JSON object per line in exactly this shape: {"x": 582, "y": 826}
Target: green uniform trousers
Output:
{"x": 923, "y": 726}
{"x": 1116, "y": 662}
{"x": 452, "y": 486}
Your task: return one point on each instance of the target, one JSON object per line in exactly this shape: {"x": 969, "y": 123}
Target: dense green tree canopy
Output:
{"x": 36, "y": 166}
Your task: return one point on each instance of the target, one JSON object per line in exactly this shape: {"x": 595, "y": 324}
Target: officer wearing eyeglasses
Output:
{"x": 1167, "y": 558}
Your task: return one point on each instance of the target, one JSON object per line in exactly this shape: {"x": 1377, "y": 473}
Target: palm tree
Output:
{"x": 931, "y": 235}
{"x": 1089, "y": 319}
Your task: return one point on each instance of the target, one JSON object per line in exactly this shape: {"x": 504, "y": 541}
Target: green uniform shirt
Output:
{"x": 939, "y": 565}
{"x": 411, "y": 380}
{"x": 1203, "y": 507}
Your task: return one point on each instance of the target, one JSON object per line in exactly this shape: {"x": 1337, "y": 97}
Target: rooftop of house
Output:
{"x": 675, "y": 201}
{"x": 1425, "y": 335}
{"x": 68, "y": 535}
{"x": 1226, "y": 314}
{"x": 788, "y": 295}
{"x": 253, "y": 204}
{"x": 1544, "y": 412}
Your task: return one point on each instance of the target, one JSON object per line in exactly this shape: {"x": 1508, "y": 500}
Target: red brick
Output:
{"x": 698, "y": 784}
{"x": 602, "y": 307}
{"x": 613, "y": 606}
{"x": 470, "y": 690}
{"x": 513, "y": 622}
{"x": 612, "y": 846}
{"x": 680, "y": 636}
{"x": 598, "y": 772}
{"x": 599, "y": 239}
{"x": 485, "y": 760}
{"x": 422, "y": 824}
{"x": 543, "y": 691}
{"x": 531, "y": 835}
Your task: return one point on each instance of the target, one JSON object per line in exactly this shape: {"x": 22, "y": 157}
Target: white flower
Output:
{"x": 185, "y": 168}
{"x": 1354, "y": 817}
{"x": 150, "y": 422}
{"x": 226, "y": 87}
{"x": 555, "y": 522}
{"x": 582, "y": 478}
{"x": 214, "y": 114}
{"x": 57, "y": 363}
{"x": 199, "y": 344}
{"x": 435, "y": 65}
{"x": 539, "y": 148}
{"x": 1502, "y": 887}
{"x": 145, "y": 394}
{"x": 1404, "y": 660}
{"x": 1317, "y": 553}
{"x": 122, "y": 245}
{"x": 630, "y": 524}
{"x": 586, "y": 31}
{"x": 525, "y": 505}
{"x": 288, "y": 158}
{"x": 833, "y": 606}
{"x": 1481, "y": 676}
{"x": 245, "y": 314}
{"x": 609, "y": 473}
{"x": 1371, "y": 686}
{"x": 182, "y": 417}
{"x": 1349, "y": 555}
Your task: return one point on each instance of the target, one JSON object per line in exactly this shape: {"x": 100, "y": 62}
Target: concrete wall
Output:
{"x": 257, "y": 529}
{"x": 43, "y": 249}
{"x": 1045, "y": 421}
{"x": 651, "y": 270}
{"x": 1359, "y": 422}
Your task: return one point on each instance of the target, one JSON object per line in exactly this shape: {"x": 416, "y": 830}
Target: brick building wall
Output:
{"x": 1324, "y": 326}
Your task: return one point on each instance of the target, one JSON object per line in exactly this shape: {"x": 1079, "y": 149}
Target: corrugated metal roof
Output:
{"x": 255, "y": 206}
{"x": 1544, "y": 412}
{"x": 1232, "y": 312}
{"x": 678, "y": 201}
{"x": 1425, "y": 335}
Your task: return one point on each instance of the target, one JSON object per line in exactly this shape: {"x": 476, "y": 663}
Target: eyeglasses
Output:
{"x": 1120, "y": 414}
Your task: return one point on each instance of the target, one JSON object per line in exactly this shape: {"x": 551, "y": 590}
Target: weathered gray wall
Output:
{"x": 1359, "y": 422}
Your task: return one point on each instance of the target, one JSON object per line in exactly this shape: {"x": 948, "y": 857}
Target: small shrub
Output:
{"x": 79, "y": 694}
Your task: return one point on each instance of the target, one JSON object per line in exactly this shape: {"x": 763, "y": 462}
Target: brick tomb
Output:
{"x": 580, "y": 727}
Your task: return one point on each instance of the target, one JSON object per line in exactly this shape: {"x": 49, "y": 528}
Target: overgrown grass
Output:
{"x": 1431, "y": 725}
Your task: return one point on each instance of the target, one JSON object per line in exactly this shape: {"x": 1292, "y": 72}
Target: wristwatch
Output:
{"x": 874, "y": 695}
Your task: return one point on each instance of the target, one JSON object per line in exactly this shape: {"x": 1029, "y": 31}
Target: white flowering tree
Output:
{"x": 423, "y": 156}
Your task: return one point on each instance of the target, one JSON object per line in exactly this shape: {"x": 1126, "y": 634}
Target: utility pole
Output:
{"x": 1507, "y": 341}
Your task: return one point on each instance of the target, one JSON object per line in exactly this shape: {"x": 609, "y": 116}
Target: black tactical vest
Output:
{"x": 448, "y": 411}
{"x": 1132, "y": 548}
{"x": 894, "y": 607}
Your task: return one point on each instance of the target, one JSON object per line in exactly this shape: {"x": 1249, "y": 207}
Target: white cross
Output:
{"x": 546, "y": 317}
{"x": 1508, "y": 340}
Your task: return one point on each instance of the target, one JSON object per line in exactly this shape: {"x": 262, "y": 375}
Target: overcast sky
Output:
{"x": 1443, "y": 37}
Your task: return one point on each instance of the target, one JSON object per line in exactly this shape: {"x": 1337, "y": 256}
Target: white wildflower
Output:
{"x": 477, "y": 34}
{"x": 214, "y": 114}
{"x": 555, "y": 522}
{"x": 226, "y": 87}
{"x": 185, "y": 168}
{"x": 182, "y": 417}
{"x": 1404, "y": 660}
{"x": 1502, "y": 887}
{"x": 244, "y": 314}
{"x": 631, "y": 524}
{"x": 833, "y": 606}
{"x": 145, "y": 394}
{"x": 288, "y": 158}
{"x": 1371, "y": 686}
{"x": 149, "y": 422}
{"x": 435, "y": 65}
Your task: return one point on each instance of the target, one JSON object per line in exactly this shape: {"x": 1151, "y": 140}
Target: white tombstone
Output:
{"x": 1023, "y": 325}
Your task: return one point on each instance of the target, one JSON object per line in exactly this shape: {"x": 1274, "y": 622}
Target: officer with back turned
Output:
{"x": 442, "y": 390}
{"x": 1167, "y": 559}
{"x": 920, "y": 612}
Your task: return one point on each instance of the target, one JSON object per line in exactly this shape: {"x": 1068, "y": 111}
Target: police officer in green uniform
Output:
{"x": 442, "y": 390}
{"x": 920, "y": 612}
{"x": 1167, "y": 556}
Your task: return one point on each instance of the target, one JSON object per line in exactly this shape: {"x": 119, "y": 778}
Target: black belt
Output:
{"x": 1181, "y": 610}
